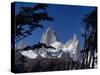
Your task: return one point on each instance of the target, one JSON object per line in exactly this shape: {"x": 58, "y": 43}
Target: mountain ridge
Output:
{"x": 53, "y": 48}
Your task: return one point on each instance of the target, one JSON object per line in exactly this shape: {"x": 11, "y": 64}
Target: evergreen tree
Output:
{"x": 90, "y": 40}
{"x": 29, "y": 18}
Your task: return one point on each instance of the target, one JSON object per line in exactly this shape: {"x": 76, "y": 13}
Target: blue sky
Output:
{"x": 67, "y": 21}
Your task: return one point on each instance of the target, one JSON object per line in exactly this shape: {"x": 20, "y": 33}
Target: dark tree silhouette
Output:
{"x": 90, "y": 40}
{"x": 29, "y": 18}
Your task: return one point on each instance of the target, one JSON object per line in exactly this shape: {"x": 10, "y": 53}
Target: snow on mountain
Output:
{"x": 69, "y": 49}
{"x": 57, "y": 45}
{"x": 42, "y": 52}
{"x": 34, "y": 53}
{"x": 48, "y": 37}
{"x": 30, "y": 54}
{"x": 72, "y": 46}
{"x": 21, "y": 45}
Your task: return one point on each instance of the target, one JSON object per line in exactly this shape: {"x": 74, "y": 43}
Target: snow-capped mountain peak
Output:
{"x": 71, "y": 43}
{"x": 72, "y": 46}
{"x": 49, "y": 47}
{"x": 48, "y": 37}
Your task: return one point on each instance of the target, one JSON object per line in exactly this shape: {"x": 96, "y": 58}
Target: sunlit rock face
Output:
{"x": 49, "y": 37}
{"x": 72, "y": 46}
{"x": 54, "y": 48}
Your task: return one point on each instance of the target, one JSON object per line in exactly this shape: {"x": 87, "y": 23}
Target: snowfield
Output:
{"x": 49, "y": 38}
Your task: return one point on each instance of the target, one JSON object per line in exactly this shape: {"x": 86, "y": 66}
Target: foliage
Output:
{"x": 29, "y": 18}
{"x": 90, "y": 40}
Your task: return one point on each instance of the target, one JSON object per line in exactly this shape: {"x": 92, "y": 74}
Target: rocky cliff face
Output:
{"x": 50, "y": 47}
{"x": 49, "y": 37}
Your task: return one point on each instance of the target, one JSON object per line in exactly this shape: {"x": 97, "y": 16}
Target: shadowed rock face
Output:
{"x": 24, "y": 64}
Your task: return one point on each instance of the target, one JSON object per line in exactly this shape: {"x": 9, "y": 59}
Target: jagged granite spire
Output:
{"x": 71, "y": 42}
{"x": 72, "y": 46}
{"x": 48, "y": 37}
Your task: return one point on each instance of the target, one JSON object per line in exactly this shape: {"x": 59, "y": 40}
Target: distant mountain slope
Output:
{"x": 50, "y": 47}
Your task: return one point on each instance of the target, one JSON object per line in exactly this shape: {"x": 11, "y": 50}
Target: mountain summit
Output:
{"x": 49, "y": 37}
{"x": 50, "y": 47}
{"x": 71, "y": 46}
